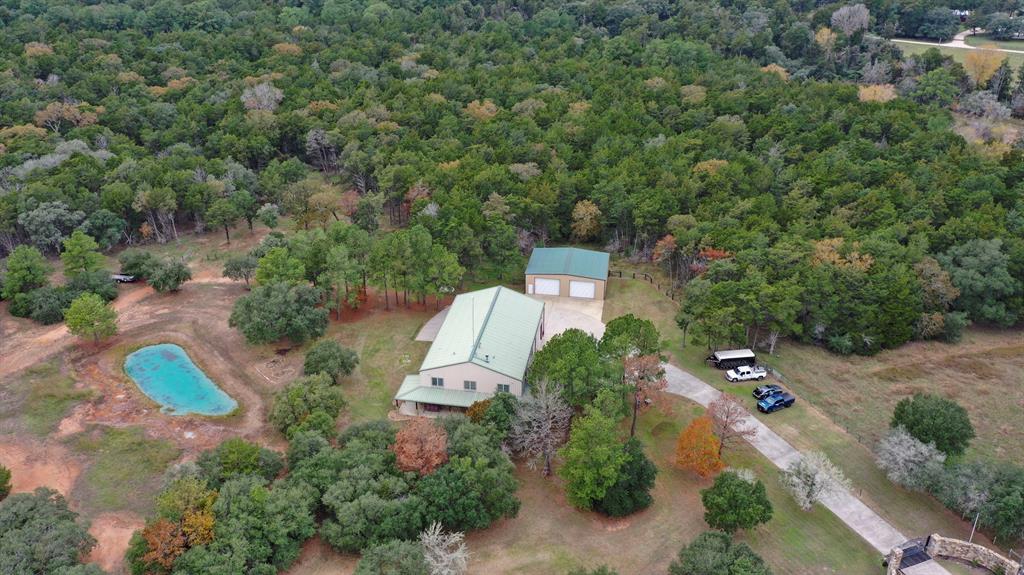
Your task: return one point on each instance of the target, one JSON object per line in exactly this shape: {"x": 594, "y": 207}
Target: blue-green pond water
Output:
{"x": 166, "y": 374}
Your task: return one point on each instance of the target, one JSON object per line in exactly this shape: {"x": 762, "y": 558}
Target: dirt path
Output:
{"x": 112, "y": 532}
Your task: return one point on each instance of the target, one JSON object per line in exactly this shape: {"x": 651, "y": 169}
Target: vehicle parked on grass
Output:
{"x": 747, "y": 373}
{"x": 123, "y": 278}
{"x": 763, "y": 391}
{"x": 776, "y": 402}
{"x": 730, "y": 358}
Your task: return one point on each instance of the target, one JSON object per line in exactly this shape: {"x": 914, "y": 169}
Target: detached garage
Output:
{"x": 567, "y": 272}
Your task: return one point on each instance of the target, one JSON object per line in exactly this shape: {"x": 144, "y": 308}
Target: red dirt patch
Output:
{"x": 112, "y": 532}
{"x": 34, "y": 464}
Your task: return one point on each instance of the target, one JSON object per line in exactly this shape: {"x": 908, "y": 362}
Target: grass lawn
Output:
{"x": 124, "y": 469}
{"x": 981, "y": 40}
{"x": 40, "y": 398}
{"x": 982, "y": 373}
{"x": 387, "y": 353}
{"x": 805, "y": 425}
{"x": 550, "y": 537}
{"x": 1015, "y": 60}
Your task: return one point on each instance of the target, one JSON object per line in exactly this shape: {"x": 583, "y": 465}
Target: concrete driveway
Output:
{"x": 562, "y": 313}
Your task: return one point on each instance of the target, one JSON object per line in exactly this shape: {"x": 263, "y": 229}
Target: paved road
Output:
{"x": 852, "y": 511}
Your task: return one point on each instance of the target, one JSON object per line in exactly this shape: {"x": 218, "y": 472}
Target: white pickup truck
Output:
{"x": 747, "y": 373}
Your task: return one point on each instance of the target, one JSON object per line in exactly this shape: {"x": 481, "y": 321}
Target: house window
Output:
{"x": 469, "y": 385}
{"x": 504, "y": 388}
{"x": 437, "y": 381}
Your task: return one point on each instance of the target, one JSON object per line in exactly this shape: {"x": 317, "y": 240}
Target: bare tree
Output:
{"x": 445, "y": 553}
{"x": 876, "y": 73}
{"x": 541, "y": 424}
{"x": 812, "y": 477}
{"x": 320, "y": 149}
{"x": 851, "y": 19}
{"x": 907, "y": 461}
{"x": 646, "y": 376}
{"x": 730, "y": 421}
{"x": 262, "y": 96}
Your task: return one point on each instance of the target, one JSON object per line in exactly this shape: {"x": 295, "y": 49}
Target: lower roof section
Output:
{"x": 411, "y": 390}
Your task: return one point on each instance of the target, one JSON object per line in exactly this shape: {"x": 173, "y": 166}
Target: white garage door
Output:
{"x": 582, "y": 289}
{"x": 544, "y": 286}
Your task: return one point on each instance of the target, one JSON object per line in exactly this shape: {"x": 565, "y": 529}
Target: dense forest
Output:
{"x": 716, "y": 139}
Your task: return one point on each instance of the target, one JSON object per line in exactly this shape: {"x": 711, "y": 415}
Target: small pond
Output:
{"x": 166, "y": 374}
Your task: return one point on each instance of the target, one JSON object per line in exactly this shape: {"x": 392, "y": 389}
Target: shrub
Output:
{"x": 631, "y": 493}
{"x": 393, "y": 558}
{"x": 310, "y": 403}
{"x": 237, "y": 457}
{"x": 476, "y": 412}
{"x": 907, "y": 461}
{"x": 168, "y": 276}
{"x": 933, "y": 419}
{"x": 329, "y": 357}
{"x": 5, "y": 482}
{"x": 714, "y": 553}
{"x": 734, "y": 503}
{"x": 46, "y": 305}
{"x": 138, "y": 263}
{"x": 97, "y": 282}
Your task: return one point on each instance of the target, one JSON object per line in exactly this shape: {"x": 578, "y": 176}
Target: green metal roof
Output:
{"x": 568, "y": 261}
{"x": 411, "y": 390}
{"x": 493, "y": 328}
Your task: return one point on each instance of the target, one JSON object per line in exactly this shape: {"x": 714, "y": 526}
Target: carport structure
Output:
{"x": 567, "y": 272}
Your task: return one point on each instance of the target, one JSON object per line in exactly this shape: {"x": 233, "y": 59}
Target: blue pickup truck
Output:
{"x": 775, "y": 402}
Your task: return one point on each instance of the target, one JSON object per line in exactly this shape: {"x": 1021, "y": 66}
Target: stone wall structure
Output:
{"x": 973, "y": 553}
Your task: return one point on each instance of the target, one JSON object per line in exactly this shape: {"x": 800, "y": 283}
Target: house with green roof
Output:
{"x": 484, "y": 346}
{"x": 567, "y": 272}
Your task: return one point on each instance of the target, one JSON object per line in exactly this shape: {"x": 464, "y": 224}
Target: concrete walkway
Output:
{"x": 429, "y": 330}
{"x": 852, "y": 511}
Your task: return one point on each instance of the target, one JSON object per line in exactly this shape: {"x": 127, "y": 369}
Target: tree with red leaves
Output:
{"x": 421, "y": 446}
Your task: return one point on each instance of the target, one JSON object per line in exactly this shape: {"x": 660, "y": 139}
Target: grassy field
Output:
{"x": 124, "y": 469}
{"x": 805, "y": 425}
{"x": 387, "y": 353}
{"x": 982, "y": 40}
{"x": 958, "y": 54}
{"x": 982, "y": 373}
{"x": 40, "y": 399}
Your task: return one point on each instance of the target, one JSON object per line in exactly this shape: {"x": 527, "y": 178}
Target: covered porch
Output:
{"x": 415, "y": 399}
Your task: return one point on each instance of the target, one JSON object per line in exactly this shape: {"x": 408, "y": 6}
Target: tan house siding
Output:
{"x": 486, "y": 380}
{"x": 564, "y": 284}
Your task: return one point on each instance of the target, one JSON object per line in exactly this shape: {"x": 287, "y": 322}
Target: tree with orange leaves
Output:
{"x": 421, "y": 446}
{"x": 164, "y": 541}
{"x": 697, "y": 448}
